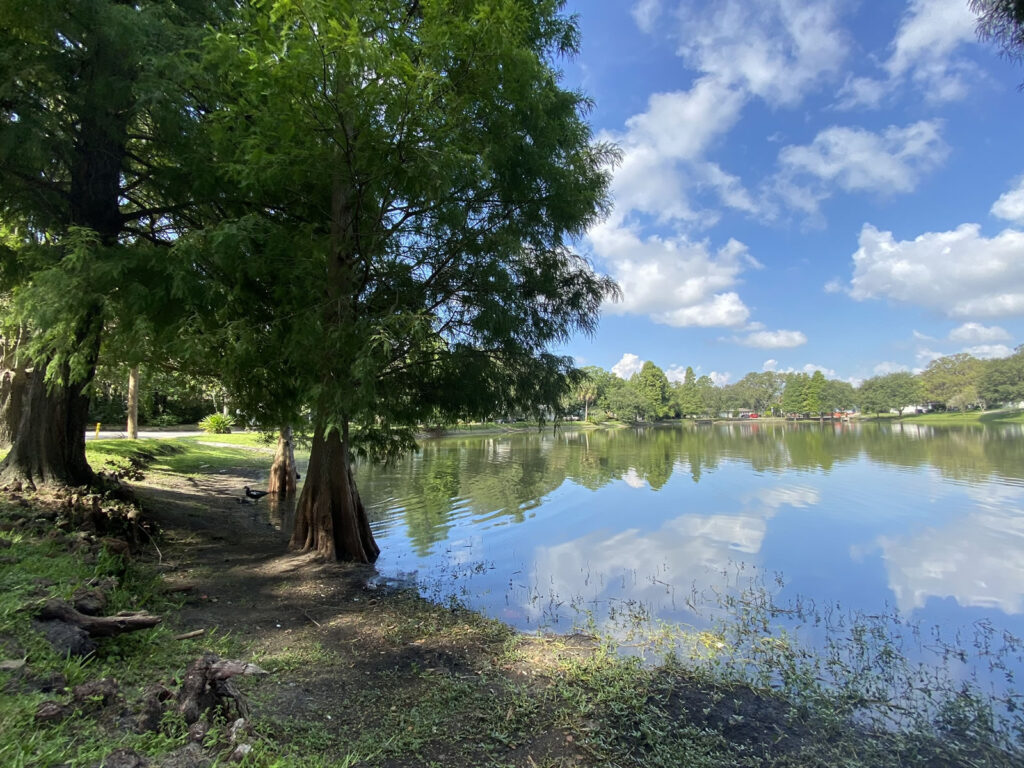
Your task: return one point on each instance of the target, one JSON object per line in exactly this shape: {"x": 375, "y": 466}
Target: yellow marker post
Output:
{"x": 97, "y": 430}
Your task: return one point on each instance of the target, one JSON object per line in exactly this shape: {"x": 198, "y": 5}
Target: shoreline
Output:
{"x": 423, "y": 682}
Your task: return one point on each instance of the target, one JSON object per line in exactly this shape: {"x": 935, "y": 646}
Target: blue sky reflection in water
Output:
{"x": 528, "y": 527}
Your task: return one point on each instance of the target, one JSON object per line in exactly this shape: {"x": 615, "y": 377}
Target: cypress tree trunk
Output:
{"x": 133, "y": 403}
{"x": 330, "y": 519}
{"x": 13, "y": 385}
{"x": 49, "y": 448}
{"x": 14, "y": 378}
{"x": 283, "y": 474}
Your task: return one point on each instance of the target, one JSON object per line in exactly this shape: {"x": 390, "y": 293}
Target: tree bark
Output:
{"x": 283, "y": 474}
{"x": 49, "y": 448}
{"x": 133, "y": 403}
{"x": 330, "y": 519}
{"x": 14, "y": 378}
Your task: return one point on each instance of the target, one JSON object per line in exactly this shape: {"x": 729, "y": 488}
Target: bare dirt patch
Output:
{"x": 358, "y": 670}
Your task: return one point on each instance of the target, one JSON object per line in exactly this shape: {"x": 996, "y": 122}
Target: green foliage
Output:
{"x": 621, "y": 399}
{"x": 217, "y": 424}
{"x": 759, "y": 392}
{"x": 953, "y": 380}
{"x": 166, "y": 398}
{"x": 894, "y": 391}
{"x": 814, "y": 394}
{"x": 457, "y": 174}
{"x": 794, "y": 396}
{"x": 1002, "y": 21}
{"x": 651, "y": 387}
{"x": 91, "y": 113}
{"x": 688, "y": 396}
{"x": 1002, "y": 380}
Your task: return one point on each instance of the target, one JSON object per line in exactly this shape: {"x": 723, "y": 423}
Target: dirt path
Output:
{"x": 364, "y": 672}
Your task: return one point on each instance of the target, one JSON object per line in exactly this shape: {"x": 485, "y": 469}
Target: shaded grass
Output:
{"x": 43, "y": 562}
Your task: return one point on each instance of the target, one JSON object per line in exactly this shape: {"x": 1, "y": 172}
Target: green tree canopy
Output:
{"x": 94, "y": 127}
{"x": 1002, "y": 380}
{"x": 760, "y": 391}
{"x": 416, "y": 177}
{"x": 894, "y": 391}
{"x": 651, "y": 386}
{"x": 950, "y": 378}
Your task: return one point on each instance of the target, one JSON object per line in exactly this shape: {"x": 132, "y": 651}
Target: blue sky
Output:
{"x": 805, "y": 184}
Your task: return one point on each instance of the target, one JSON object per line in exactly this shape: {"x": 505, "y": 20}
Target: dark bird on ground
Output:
{"x": 254, "y": 495}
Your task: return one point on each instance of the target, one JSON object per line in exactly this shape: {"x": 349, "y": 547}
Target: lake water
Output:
{"x": 539, "y": 529}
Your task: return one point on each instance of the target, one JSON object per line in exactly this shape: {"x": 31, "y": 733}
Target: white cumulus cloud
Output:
{"x": 674, "y": 281}
{"x": 923, "y": 50}
{"x": 858, "y": 160}
{"x": 663, "y": 164}
{"x": 960, "y": 272}
{"x": 627, "y": 366}
{"x": 774, "y": 49}
{"x": 887, "y": 367}
{"x": 720, "y": 379}
{"x": 1010, "y": 205}
{"x": 862, "y": 92}
{"x": 808, "y": 368}
{"x": 676, "y": 373}
{"x": 924, "y": 54}
{"x": 773, "y": 339}
{"x": 646, "y": 13}
{"x": 989, "y": 351}
{"x": 976, "y": 333}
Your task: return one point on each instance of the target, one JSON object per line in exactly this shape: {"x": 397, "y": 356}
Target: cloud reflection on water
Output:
{"x": 978, "y": 559}
{"x": 686, "y": 555}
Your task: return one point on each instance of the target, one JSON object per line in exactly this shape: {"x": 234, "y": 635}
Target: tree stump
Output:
{"x": 207, "y": 686}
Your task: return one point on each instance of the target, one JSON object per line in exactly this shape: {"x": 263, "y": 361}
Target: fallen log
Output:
{"x": 98, "y": 626}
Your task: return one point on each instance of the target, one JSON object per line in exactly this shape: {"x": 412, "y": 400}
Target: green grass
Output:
{"x": 1006, "y": 416}
{"x": 43, "y": 563}
{"x": 185, "y": 456}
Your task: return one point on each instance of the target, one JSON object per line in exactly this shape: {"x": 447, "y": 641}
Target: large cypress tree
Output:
{"x": 90, "y": 114}
{"x": 416, "y": 176}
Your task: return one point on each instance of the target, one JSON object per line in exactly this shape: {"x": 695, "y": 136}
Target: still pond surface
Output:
{"x": 540, "y": 529}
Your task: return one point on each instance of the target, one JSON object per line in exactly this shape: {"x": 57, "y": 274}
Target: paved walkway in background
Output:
{"x": 112, "y": 434}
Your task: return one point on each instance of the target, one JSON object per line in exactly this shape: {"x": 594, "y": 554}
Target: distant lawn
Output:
{"x": 1007, "y": 416}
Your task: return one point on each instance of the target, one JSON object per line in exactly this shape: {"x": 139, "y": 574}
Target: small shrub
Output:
{"x": 217, "y": 424}
{"x": 266, "y": 438}
{"x": 166, "y": 419}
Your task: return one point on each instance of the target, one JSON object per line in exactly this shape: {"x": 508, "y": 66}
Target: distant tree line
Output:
{"x": 958, "y": 382}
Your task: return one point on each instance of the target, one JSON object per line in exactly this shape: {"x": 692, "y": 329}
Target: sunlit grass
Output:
{"x": 1005, "y": 416}
{"x": 186, "y": 456}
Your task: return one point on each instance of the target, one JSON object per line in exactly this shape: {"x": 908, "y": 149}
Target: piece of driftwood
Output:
{"x": 207, "y": 685}
{"x": 98, "y": 626}
{"x": 189, "y": 635}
